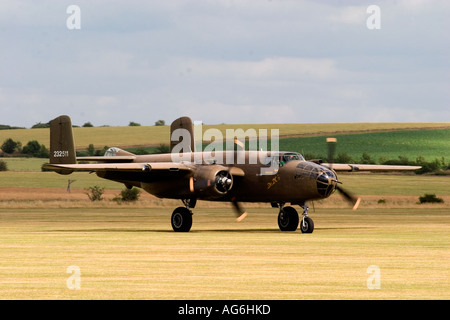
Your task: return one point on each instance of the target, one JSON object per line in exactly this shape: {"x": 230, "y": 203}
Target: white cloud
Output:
{"x": 350, "y": 15}
{"x": 276, "y": 68}
{"x": 264, "y": 60}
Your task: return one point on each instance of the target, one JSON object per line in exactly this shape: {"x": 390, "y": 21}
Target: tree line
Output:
{"x": 88, "y": 124}
{"x": 32, "y": 149}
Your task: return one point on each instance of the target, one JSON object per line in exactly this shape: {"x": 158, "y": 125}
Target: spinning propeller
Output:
{"x": 354, "y": 200}
{"x": 239, "y": 210}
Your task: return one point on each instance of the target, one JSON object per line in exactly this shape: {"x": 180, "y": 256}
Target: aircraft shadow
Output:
{"x": 166, "y": 231}
{"x": 267, "y": 230}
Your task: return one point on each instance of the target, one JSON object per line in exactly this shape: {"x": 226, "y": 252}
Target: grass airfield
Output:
{"x": 130, "y": 252}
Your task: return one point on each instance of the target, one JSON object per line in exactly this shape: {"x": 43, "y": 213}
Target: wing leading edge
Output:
{"x": 367, "y": 167}
{"x": 125, "y": 167}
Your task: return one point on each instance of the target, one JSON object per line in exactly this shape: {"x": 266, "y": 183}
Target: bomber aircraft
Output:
{"x": 236, "y": 176}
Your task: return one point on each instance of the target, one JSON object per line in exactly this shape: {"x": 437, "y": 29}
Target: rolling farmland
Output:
{"x": 155, "y": 135}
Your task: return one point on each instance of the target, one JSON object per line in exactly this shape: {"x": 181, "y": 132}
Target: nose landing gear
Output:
{"x": 307, "y": 224}
{"x": 288, "y": 219}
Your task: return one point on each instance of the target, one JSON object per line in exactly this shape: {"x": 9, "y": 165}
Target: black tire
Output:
{"x": 307, "y": 225}
{"x": 181, "y": 220}
{"x": 288, "y": 219}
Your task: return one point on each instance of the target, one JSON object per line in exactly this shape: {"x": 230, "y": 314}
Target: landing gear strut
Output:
{"x": 307, "y": 224}
{"x": 288, "y": 219}
{"x": 182, "y": 216}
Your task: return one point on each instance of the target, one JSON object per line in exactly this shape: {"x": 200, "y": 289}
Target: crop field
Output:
{"x": 155, "y": 135}
{"x": 430, "y": 144}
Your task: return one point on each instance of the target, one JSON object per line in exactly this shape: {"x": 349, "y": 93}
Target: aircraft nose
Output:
{"x": 324, "y": 178}
{"x": 326, "y": 182}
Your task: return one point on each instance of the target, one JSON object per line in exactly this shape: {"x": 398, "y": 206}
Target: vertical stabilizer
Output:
{"x": 62, "y": 147}
{"x": 178, "y": 136}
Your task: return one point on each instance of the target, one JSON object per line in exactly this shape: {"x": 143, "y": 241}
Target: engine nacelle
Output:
{"x": 212, "y": 181}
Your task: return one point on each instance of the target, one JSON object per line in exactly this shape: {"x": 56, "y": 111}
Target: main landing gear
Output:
{"x": 182, "y": 216}
{"x": 288, "y": 219}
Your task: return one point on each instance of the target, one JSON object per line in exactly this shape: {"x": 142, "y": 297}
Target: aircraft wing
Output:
{"x": 125, "y": 167}
{"x": 108, "y": 159}
{"x": 368, "y": 167}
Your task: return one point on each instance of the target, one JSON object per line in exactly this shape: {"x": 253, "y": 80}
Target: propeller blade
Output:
{"x": 240, "y": 211}
{"x": 331, "y": 143}
{"x": 349, "y": 197}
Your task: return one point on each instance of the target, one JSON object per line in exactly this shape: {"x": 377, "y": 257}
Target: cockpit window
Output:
{"x": 283, "y": 158}
{"x": 111, "y": 152}
{"x": 289, "y": 157}
{"x": 286, "y": 157}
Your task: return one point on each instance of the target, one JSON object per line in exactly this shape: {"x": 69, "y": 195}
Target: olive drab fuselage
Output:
{"x": 292, "y": 181}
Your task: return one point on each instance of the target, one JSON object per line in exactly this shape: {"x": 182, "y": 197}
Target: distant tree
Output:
{"x": 33, "y": 148}
{"x": 430, "y": 198}
{"x": 88, "y": 125}
{"x": 3, "y": 166}
{"x": 382, "y": 160}
{"x": 401, "y": 161}
{"x": 91, "y": 150}
{"x": 7, "y": 127}
{"x": 105, "y": 148}
{"x": 134, "y": 124}
{"x": 367, "y": 159}
{"x": 9, "y": 145}
{"x": 41, "y": 125}
{"x": 433, "y": 166}
{"x": 160, "y": 123}
{"x": 43, "y": 152}
{"x": 343, "y": 158}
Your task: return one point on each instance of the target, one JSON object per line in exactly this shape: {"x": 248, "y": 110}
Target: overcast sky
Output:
{"x": 224, "y": 61}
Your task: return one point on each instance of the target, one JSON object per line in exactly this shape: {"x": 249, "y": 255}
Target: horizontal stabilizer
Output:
{"x": 126, "y": 167}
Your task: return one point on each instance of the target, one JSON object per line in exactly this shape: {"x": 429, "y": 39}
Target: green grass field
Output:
{"x": 134, "y": 254}
{"x": 430, "y": 144}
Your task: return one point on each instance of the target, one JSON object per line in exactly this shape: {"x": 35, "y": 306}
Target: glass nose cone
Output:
{"x": 326, "y": 183}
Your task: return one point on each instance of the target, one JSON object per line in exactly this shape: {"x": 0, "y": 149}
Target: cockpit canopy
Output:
{"x": 116, "y": 152}
{"x": 111, "y": 152}
{"x": 289, "y": 156}
{"x": 281, "y": 158}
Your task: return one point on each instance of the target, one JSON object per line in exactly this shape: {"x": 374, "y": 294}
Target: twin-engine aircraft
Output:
{"x": 236, "y": 176}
